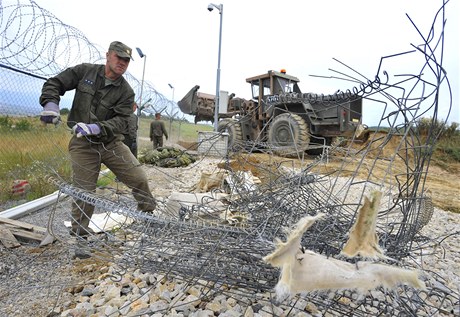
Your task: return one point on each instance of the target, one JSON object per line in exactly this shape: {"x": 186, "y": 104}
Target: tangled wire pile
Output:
{"x": 217, "y": 240}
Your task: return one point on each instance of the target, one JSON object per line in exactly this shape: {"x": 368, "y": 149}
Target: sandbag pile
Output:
{"x": 167, "y": 157}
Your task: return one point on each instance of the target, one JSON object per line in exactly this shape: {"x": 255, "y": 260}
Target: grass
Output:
{"x": 33, "y": 152}
{"x": 448, "y": 149}
{"x": 447, "y": 154}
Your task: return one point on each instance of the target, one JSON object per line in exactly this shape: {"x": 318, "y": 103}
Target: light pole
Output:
{"x": 219, "y": 7}
{"x": 171, "y": 117}
{"x": 142, "y": 55}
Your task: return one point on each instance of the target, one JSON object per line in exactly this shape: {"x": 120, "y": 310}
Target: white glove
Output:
{"x": 85, "y": 129}
{"x": 50, "y": 114}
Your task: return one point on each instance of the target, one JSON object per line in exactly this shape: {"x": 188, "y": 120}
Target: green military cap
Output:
{"x": 121, "y": 49}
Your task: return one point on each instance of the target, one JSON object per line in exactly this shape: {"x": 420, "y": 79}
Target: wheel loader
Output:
{"x": 278, "y": 116}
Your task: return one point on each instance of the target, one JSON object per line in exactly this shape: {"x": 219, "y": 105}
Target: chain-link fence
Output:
{"x": 36, "y": 45}
{"x": 29, "y": 150}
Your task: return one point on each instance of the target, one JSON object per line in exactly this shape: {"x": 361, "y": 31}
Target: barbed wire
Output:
{"x": 35, "y": 41}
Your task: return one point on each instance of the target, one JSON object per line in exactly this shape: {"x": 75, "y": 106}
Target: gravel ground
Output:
{"x": 49, "y": 282}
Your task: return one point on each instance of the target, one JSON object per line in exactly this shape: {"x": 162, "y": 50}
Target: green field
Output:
{"x": 33, "y": 152}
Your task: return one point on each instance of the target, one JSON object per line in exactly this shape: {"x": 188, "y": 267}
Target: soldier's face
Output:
{"x": 117, "y": 65}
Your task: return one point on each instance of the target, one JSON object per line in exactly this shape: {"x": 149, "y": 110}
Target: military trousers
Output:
{"x": 87, "y": 157}
{"x": 157, "y": 141}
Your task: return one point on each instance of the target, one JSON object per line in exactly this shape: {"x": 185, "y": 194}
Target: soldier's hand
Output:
{"x": 50, "y": 114}
{"x": 86, "y": 129}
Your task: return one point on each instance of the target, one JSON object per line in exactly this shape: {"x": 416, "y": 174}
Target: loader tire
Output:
{"x": 235, "y": 134}
{"x": 288, "y": 135}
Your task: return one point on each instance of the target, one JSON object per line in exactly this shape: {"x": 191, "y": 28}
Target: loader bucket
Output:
{"x": 188, "y": 104}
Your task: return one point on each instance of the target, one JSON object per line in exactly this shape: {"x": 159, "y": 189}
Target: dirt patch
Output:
{"x": 444, "y": 186}
{"x": 392, "y": 155}
{"x": 385, "y": 155}
{"x": 262, "y": 166}
{"x": 190, "y": 146}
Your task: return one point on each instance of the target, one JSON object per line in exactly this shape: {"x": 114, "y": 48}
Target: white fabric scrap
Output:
{"x": 362, "y": 238}
{"x": 106, "y": 222}
{"x": 308, "y": 271}
{"x": 241, "y": 181}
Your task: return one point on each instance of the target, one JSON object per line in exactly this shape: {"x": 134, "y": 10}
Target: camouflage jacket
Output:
{"x": 108, "y": 105}
{"x": 131, "y": 132}
{"x": 157, "y": 128}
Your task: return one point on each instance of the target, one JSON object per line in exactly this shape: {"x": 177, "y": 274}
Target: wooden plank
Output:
{"x": 27, "y": 234}
{"x": 22, "y": 224}
{"x": 8, "y": 239}
{"x": 35, "y": 229}
{"x": 16, "y": 223}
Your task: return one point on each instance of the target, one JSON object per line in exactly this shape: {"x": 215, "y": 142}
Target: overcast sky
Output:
{"x": 180, "y": 38}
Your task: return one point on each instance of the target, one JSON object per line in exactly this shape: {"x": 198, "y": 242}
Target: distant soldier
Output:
{"x": 157, "y": 129}
{"x": 131, "y": 134}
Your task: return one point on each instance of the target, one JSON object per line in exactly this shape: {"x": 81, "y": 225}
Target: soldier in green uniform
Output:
{"x": 99, "y": 115}
{"x": 157, "y": 129}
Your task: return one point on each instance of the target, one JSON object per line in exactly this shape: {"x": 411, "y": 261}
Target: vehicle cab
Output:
{"x": 272, "y": 83}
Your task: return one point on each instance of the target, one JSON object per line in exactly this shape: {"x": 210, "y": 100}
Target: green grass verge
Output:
{"x": 34, "y": 152}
